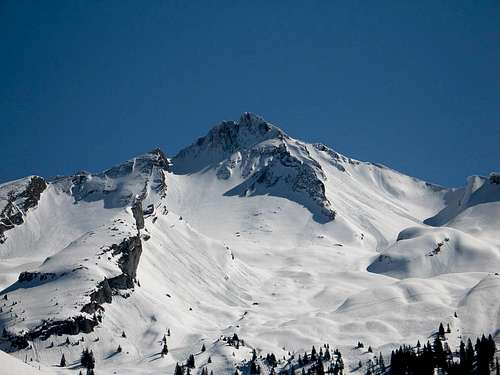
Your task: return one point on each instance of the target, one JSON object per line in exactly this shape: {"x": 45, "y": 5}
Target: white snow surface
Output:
{"x": 239, "y": 238}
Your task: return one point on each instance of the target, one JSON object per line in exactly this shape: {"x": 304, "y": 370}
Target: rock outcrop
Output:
{"x": 15, "y": 201}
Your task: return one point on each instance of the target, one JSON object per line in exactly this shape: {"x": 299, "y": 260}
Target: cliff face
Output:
{"x": 16, "y": 199}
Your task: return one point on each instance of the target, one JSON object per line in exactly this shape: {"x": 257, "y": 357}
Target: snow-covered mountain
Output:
{"x": 246, "y": 231}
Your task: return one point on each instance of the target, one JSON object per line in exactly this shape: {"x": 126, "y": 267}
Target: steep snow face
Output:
{"x": 237, "y": 234}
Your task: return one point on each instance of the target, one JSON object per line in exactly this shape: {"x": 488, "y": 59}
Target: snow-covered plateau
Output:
{"x": 249, "y": 232}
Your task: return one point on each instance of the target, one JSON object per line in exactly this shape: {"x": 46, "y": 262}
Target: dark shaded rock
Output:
{"x": 130, "y": 250}
{"x": 32, "y": 193}
{"x": 71, "y": 326}
{"x": 161, "y": 160}
{"x": 138, "y": 214}
{"x": 122, "y": 281}
{"x": 495, "y": 178}
{"x": 149, "y": 209}
{"x": 35, "y": 276}
{"x": 103, "y": 293}
{"x": 19, "y": 202}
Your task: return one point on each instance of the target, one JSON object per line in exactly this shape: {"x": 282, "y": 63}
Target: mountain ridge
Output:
{"x": 246, "y": 231}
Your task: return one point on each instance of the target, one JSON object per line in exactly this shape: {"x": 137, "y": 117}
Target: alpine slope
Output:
{"x": 247, "y": 231}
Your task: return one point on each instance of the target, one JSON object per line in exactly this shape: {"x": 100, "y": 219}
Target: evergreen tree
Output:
{"x": 319, "y": 367}
{"x": 370, "y": 350}
{"x": 63, "y": 361}
{"x": 87, "y": 359}
{"x": 203, "y": 348}
{"x": 448, "y": 329}
{"x": 253, "y": 368}
{"x": 327, "y": 355}
{"x": 178, "y": 370}
{"x": 439, "y": 354}
{"x": 441, "y": 330}
{"x": 381, "y": 362}
{"x": 124, "y": 334}
{"x": 209, "y": 360}
{"x": 164, "y": 350}
{"x": 190, "y": 362}
{"x": 313, "y": 353}
{"x": 119, "y": 349}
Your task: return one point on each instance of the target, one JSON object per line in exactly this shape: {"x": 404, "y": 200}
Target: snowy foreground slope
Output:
{"x": 247, "y": 231}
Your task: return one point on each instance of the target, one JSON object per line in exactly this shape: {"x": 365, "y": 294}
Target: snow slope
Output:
{"x": 246, "y": 231}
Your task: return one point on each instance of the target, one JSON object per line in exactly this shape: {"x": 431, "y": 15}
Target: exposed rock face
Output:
{"x": 130, "y": 251}
{"x": 35, "y": 276}
{"x": 71, "y": 326}
{"x": 306, "y": 178}
{"x": 289, "y": 166}
{"x": 15, "y": 201}
{"x": 495, "y": 178}
{"x": 138, "y": 214}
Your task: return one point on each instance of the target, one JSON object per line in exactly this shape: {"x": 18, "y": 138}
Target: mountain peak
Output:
{"x": 228, "y": 137}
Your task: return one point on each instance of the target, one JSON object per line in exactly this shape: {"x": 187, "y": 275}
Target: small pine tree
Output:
{"x": 381, "y": 363}
{"x": 87, "y": 359}
{"x": 448, "y": 329}
{"x": 63, "y": 361}
{"x": 370, "y": 349}
{"x": 168, "y": 332}
{"x": 209, "y": 360}
{"x": 441, "y": 330}
{"x": 67, "y": 341}
{"x": 313, "y": 353}
{"x": 253, "y": 368}
{"x": 124, "y": 334}
{"x": 190, "y": 362}
{"x": 119, "y": 349}
{"x": 164, "y": 350}
{"x": 178, "y": 370}
{"x": 203, "y": 348}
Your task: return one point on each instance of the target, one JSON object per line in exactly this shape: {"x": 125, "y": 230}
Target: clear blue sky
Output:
{"x": 411, "y": 84}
